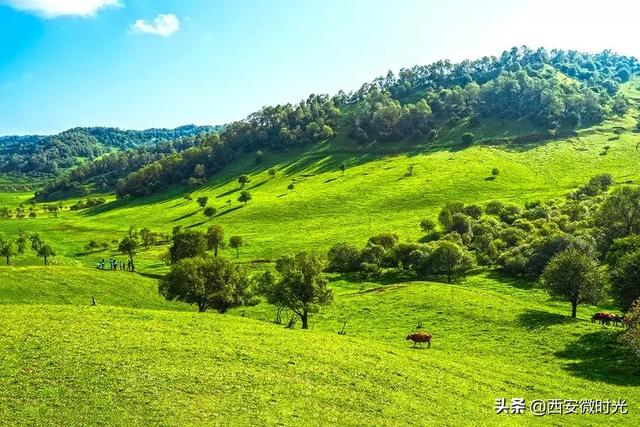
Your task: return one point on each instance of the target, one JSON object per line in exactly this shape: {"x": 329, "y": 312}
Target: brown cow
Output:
{"x": 420, "y": 337}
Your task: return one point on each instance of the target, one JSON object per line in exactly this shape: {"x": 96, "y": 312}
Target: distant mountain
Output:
{"x": 49, "y": 155}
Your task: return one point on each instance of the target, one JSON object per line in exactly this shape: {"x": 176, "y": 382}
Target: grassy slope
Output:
{"x": 373, "y": 196}
{"x": 492, "y": 338}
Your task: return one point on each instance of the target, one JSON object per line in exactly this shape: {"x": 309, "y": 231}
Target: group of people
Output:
{"x": 116, "y": 265}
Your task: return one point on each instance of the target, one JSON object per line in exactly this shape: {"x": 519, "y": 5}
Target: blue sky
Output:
{"x": 163, "y": 63}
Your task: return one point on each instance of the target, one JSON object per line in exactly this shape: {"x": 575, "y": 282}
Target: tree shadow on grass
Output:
{"x": 516, "y": 282}
{"x": 538, "y": 319}
{"x": 227, "y": 193}
{"x": 228, "y": 211}
{"x": 599, "y": 356}
{"x": 189, "y": 215}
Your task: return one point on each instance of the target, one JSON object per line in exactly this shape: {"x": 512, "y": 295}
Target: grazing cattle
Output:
{"x": 607, "y": 318}
{"x": 419, "y": 338}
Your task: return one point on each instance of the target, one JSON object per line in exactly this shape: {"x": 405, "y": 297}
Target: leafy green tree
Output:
{"x": 620, "y": 212}
{"x": 343, "y": 168}
{"x": 574, "y": 276}
{"x": 215, "y": 238}
{"x": 468, "y": 138}
{"x": 495, "y": 172}
{"x": 447, "y": 259}
{"x": 8, "y": 249}
{"x": 343, "y": 258}
{"x": 244, "y": 197}
{"x": 202, "y": 201}
{"x": 236, "y": 242}
{"x": 147, "y": 237}
{"x": 386, "y": 240}
{"x": 427, "y": 225}
{"x": 187, "y": 244}
{"x": 210, "y": 212}
{"x": 129, "y": 246}
{"x": 45, "y": 252}
{"x": 243, "y": 180}
{"x": 208, "y": 283}
{"x": 632, "y": 335}
{"x": 625, "y": 280}
{"x": 290, "y": 187}
{"x": 272, "y": 172}
{"x": 302, "y": 285}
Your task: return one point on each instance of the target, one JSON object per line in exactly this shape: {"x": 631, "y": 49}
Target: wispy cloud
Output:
{"x": 162, "y": 25}
{"x": 57, "y": 8}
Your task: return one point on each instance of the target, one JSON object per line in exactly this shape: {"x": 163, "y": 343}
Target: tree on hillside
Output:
{"x": 447, "y": 259}
{"x": 243, "y": 180}
{"x": 202, "y": 201}
{"x": 147, "y": 237}
{"x": 632, "y": 335}
{"x": 427, "y": 225}
{"x": 8, "y": 249}
{"x": 236, "y": 242}
{"x": 215, "y": 238}
{"x": 244, "y": 197}
{"x": 129, "y": 246}
{"x": 209, "y": 283}
{"x": 272, "y": 172}
{"x": 187, "y": 244}
{"x": 290, "y": 187}
{"x": 210, "y": 212}
{"x": 41, "y": 248}
{"x": 343, "y": 168}
{"x": 574, "y": 276}
{"x": 625, "y": 280}
{"x": 495, "y": 172}
{"x": 468, "y": 138}
{"x": 301, "y": 287}
{"x": 619, "y": 215}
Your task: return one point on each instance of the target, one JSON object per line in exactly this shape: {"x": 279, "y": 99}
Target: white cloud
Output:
{"x": 163, "y": 25}
{"x": 56, "y": 8}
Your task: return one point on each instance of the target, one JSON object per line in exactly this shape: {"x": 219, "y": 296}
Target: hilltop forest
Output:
{"x": 557, "y": 91}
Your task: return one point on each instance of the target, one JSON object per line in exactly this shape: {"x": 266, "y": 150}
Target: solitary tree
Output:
{"x": 202, "y": 201}
{"x": 302, "y": 285}
{"x": 209, "y": 283}
{"x": 272, "y": 172}
{"x": 468, "y": 138}
{"x": 290, "y": 187}
{"x": 574, "y": 276}
{"x": 129, "y": 246}
{"x": 45, "y": 252}
{"x": 210, "y": 212}
{"x": 235, "y": 242}
{"x": 8, "y": 249}
{"x": 147, "y": 237}
{"x": 244, "y": 197}
{"x": 343, "y": 168}
{"x": 495, "y": 172}
{"x": 243, "y": 180}
{"x": 215, "y": 238}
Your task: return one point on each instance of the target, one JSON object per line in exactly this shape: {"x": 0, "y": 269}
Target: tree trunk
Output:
{"x": 46, "y": 263}
{"x": 574, "y": 308}
{"x": 8, "y": 261}
{"x": 305, "y": 320}
{"x": 202, "y": 307}
{"x": 237, "y": 252}
{"x": 215, "y": 250}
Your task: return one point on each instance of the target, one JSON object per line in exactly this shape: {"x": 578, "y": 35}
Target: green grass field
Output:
{"x": 125, "y": 362}
{"x": 137, "y": 359}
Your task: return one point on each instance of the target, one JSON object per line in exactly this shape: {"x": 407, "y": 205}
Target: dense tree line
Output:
{"x": 561, "y": 243}
{"x": 37, "y": 155}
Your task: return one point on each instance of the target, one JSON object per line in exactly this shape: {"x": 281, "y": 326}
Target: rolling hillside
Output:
{"x": 493, "y": 337}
